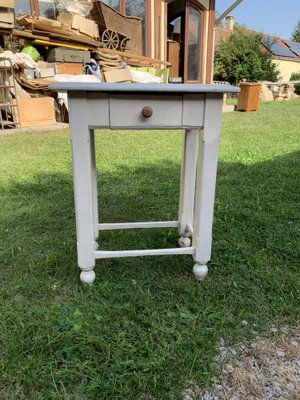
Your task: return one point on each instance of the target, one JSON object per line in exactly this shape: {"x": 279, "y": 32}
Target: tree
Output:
{"x": 296, "y": 33}
{"x": 243, "y": 56}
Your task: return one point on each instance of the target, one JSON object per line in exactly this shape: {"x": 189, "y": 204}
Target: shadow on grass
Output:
{"x": 145, "y": 327}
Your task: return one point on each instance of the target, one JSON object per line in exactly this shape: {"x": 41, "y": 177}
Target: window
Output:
{"x": 137, "y": 8}
{"x": 45, "y": 8}
{"x": 48, "y": 9}
{"x": 22, "y": 6}
{"x": 193, "y": 44}
{"x": 113, "y": 3}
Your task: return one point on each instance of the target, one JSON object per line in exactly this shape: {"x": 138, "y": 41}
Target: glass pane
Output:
{"x": 48, "y": 9}
{"x": 176, "y": 25}
{"x": 175, "y": 56}
{"x": 112, "y": 3}
{"x": 194, "y": 36}
{"x": 22, "y": 6}
{"x": 136, "y": 8}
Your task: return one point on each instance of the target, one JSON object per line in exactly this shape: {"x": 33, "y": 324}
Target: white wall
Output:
{"x": 286, "y": 68}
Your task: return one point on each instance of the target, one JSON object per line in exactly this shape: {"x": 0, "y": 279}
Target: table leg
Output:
{"x": 187, "y": 186}
{"x": 206, "y": 182}
{"x": 94, "y": 186}
{"x": 81, "y": 144}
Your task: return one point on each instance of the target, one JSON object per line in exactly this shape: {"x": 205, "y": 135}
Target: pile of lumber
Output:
{"x": 108, "y": 62}
{"x": 52, "y": 46}
{"x": 43, "y": 31}
{"x": 132, "y": 59}
{"x": 46, "y": 31}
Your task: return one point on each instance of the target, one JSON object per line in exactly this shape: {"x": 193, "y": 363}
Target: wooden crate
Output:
{"x": 248, "y": 98}
{"x": 63, "y": 54}
{"x": 38, "y": 111}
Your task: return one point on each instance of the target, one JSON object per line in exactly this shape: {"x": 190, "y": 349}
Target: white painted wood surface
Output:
{"x": 187, "y": 180}
{"x": 198, "y": 109}
{"x": 82, "y": 175}
{"x": 206, "y": 178}
{"x": 138, "y": 225}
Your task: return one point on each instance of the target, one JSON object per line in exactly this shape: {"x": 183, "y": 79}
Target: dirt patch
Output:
{"x": 265, "y": 369}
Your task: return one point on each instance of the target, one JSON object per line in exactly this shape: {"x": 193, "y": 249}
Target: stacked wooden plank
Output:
{"x": 132, "y": 59}
{"x": 43, "y": 31}
{"x": 53, "y": 33}
{"x": 109, "y": 62}
{"x": 50, "y": 35}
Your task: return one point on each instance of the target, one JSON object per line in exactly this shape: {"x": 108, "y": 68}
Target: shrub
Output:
{"x": 243, "y": 56}
{"x": 296, "y": 77}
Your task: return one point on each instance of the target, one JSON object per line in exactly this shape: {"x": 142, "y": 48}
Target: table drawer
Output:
{"x": 136, "y": 112}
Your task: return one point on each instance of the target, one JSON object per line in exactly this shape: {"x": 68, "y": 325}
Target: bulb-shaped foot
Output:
{"x": 88, "y": 276}
{"x": 184, "y": 241}
{"x": 200, "y": 271}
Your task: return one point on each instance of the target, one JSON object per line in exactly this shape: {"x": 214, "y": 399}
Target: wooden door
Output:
{"x": 185, "y": 26}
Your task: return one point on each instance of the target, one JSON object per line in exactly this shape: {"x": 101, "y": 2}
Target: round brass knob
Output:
{"x": 147, "y": 112}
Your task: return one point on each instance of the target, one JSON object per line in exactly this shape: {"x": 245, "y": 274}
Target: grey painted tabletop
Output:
{"x": 142, "y": 87}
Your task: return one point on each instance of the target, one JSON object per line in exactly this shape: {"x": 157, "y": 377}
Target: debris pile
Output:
{"x": 277, "y": 91}
{"x": 84, "y": 41}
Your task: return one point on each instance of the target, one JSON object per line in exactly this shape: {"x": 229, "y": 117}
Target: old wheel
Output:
{"x": 128, "y": 45}
{"x": 110, "y": 39}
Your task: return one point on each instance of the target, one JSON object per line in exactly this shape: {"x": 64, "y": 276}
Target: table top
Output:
{"x": 157, "y": 88}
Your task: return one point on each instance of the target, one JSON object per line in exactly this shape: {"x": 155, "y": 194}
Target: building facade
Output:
{"x": 179, "y": 31}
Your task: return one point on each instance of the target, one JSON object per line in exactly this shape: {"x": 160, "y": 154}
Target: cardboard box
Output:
{"x": 37, "y": 111}
{"x": 44, "y": 65}
{"x": 46, "y": 73}
{"x": 7, "y": 3}
{"x": 117, "y": 75}
{"x": 79, "y": 24}
{"x": 45, "y": 70}
{"x": 7, "y": 18}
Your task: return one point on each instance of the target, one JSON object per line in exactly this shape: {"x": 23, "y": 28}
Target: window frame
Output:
{"x": 199, "y": 8}
{"x": 35, "y": 9}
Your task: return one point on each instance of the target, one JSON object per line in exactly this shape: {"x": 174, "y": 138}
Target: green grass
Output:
{"x": 146, "y": 327}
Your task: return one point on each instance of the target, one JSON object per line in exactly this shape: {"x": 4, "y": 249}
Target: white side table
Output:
{"x": 195, "y": 108}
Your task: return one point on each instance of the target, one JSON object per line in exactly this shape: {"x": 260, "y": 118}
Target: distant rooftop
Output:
{"x": 279, "y": 47}
{"x": 282, "y": 47}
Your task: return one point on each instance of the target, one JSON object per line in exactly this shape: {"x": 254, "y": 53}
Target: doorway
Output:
{"x": 185, "y": 27}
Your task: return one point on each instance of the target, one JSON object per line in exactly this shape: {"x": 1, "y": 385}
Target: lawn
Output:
{"x": 146, "y": 328}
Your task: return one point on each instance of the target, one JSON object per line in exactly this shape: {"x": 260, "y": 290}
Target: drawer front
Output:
{"x": 140, "y": 112}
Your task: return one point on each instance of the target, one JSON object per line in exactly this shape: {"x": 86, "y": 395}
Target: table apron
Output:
{"x": 168, "y": 112}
